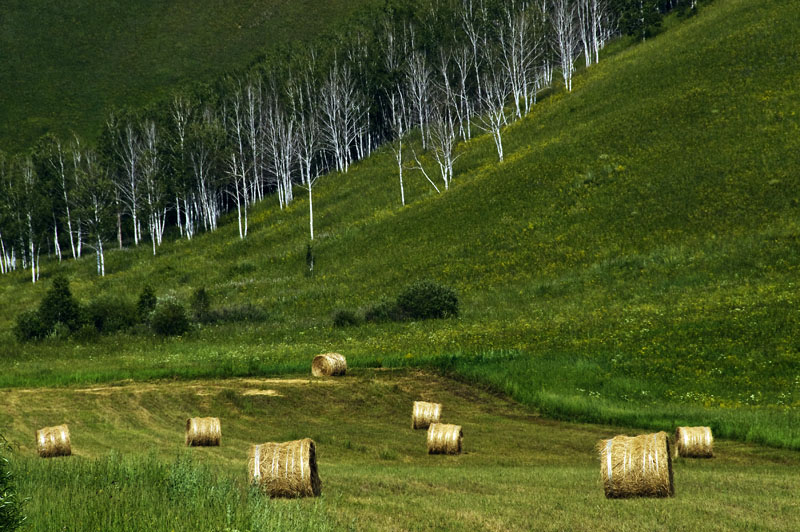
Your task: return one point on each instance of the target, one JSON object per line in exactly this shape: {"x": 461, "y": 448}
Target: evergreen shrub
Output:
{"x": 58, "y": 306}
{"x": 146, "y": 303}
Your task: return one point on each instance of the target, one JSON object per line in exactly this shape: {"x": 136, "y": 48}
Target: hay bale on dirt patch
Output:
{"x": 328, "y": 365}
{"x": 285, "y": 469}
{"x": 694, "y": 442}
{"x": 203, "y": 432}
{"x": 444, "y": 438}
{"x": 424, "y": 414}
{"x": 638, "y": 466}
{"x": 53, "y": 441}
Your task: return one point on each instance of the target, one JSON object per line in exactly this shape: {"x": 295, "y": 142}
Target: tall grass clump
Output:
{"x": 118, "y": 493}
{"x": 11, "y": 516}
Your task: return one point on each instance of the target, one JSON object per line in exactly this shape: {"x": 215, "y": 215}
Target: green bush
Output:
{"x": 146, "y": 303}
{"x": 383, "y": 312}
{"x": 111, "y": 314}
{"x": 428, "y": 300}
{"x": 345, "y": 318}
{"x": 11, "y": 517}
{"x": 169, "y": 318}
{"x": 58, "y": 306}
{"x": 29, "y": 327}
{"x": 200, "y": 304}
{"x": 238, "y": 313}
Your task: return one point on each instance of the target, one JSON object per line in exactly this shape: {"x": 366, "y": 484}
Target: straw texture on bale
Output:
{"x": 694, "y": 442}
{"x": 444, "y": 438}
{"x": 285, "y": 469}
{"x": 328, "y": 365}
{"x": 53, "y": 441}
{"x": 203, "y": 432}
{"x": 424, "y": 414}
{"x": 638, "y": 466}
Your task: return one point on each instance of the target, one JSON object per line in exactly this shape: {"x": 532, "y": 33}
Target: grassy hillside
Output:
{"x": 634, "y": 260}
{"x": 518, "y": 471}
{"x": 64, "y": 64}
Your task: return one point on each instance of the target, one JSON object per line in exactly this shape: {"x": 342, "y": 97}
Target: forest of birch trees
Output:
{"x": 418, "y": 76}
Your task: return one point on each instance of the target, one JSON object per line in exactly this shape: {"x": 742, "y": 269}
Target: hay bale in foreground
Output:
{"x": 424, "y": 414}
{"x": 53, "y": 441}
{"x": 638, "y": 466}
{"x": 203, "y": 432}
{"x": 444, "y": 438}
{"x": 694, "y": 442}
{"x": 328, "y": 365}
{"x": 285, "y": 469}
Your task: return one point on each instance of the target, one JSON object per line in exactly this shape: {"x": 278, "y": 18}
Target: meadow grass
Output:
{"x": 634, "y": 260}
{"x": 518, "y": 470}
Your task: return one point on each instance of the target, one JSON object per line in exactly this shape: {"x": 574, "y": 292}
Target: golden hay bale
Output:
{"x": 444, "y": 438}
{"x": 203, "y": 432}
{"x": 694, "y": 442}
{"x": 285, "y": 469}
{"x": 424, "y": 414}
{"x": 53, "y": 441}
{"x": 638, "y": 466}
{"x": 328, "y": 365}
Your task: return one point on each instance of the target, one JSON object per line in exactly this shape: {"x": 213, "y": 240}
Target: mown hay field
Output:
{"x": 131, "y": 470}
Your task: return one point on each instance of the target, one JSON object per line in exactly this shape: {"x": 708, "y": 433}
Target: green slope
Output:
{"x": 634, "y": 260}
{"x": 63, "y": 65}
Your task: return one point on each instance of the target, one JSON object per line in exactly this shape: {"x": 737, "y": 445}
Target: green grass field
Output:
{"x": 519, "y": 471}
{"x": 64, "y": 65}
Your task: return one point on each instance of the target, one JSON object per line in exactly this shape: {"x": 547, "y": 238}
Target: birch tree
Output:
{"x": 305, "y": 107}
{"x": 493, "y": 102}
{"x": 155, "y": 193}
{"x": 128, "y": 148}
{"x": 96, "y": 205}
{"x": 236, "y": 166}
{"x": 563, "y": 18}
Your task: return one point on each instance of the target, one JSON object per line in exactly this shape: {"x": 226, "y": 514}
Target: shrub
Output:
{"x": 200, "y": 303}
{"x": 238, "y": 313}
{"x": 383, "y": 311}
{"x": 30, "y": 327}
{"x": 11, "y": 517}
{"x": 169, "y": 318}
{"x": 146, "y": 303}
{"x": 428, "y": 299}
{"x": 110, "y": 314}
{"x": 58, "y": 305}
{"x": 345, "y": 318}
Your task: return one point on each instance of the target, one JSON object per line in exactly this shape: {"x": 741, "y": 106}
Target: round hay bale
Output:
{"x": 694, "y": 442}
{"x": 203, "y": 432}
{"x": 638, "y": 466}
{"x": 444, "y": 438}
{"x": 424, "y": 414}
{"x": 53, "y": 441}
{"x": 328, "y": 365}
{"x": 285, "y": 469}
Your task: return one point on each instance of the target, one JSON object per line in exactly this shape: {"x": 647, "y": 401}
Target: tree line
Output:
{"x": 443, "y": 69}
